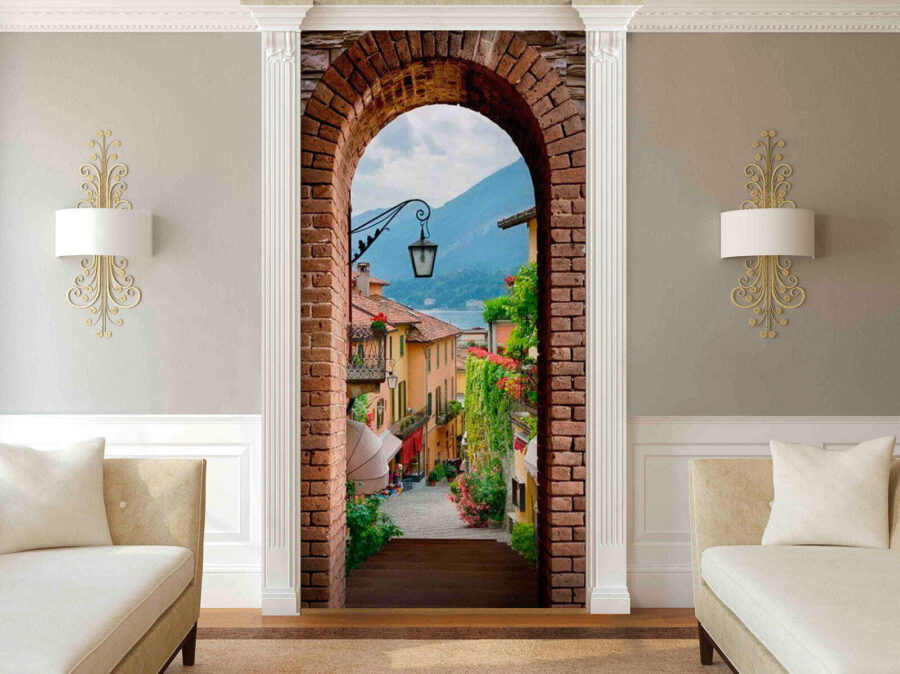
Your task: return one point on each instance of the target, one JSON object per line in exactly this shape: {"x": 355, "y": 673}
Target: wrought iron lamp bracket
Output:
{"x": 381, "y": 222}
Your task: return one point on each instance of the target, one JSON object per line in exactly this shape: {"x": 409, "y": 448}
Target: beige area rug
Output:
{"x": 514, "y": 656}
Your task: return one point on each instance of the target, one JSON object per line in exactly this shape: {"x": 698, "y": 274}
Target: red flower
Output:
{"x": 496, "y": 359}
{"x": 379, "y": 317}
{"x": 510, "y": 281}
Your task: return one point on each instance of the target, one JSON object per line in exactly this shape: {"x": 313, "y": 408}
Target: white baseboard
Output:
{"x": 231, "y": 445}
{"x": 609, "y": 601}
{"x": 659, "y": 551}
{"x": 280, "y": 603}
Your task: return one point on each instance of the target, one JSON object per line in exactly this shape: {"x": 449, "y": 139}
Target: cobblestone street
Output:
{"x": 426, "y": 512}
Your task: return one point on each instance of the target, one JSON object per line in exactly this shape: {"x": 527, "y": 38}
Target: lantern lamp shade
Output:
{"x": 103, "y": 231}
{"x": 422, "y": 254}
{"x": 768, "y": 231}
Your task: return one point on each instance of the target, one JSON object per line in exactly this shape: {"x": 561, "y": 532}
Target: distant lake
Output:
{"x": 461, "y": 318}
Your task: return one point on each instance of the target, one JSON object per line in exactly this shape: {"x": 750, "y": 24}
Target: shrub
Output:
{"x": 523, "y": 542}
{"x": 450, "y": 471}
{"x": 480, "y": 495}
{"x": 368, "y": 529}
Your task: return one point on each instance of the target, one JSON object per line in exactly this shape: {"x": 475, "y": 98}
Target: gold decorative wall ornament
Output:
{"x": 103, "y": 228}
{"x": 768, "y": 228}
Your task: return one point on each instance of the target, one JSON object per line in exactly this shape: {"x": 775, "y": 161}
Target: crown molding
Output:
{"x": 443, "y": 17}
{"x": 87, "y": 16}
{"x": 280, "y": 17}
{"x": 605, "y": 17}
{"x": 668, "y": 16}
{"x": 767, "y": 16}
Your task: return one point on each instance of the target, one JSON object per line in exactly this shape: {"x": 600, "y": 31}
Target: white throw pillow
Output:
{"x": 52, "y": 499}
{"x": 830, "y": 497}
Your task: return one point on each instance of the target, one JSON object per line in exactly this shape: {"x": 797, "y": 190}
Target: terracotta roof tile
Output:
{"x": 518, "y": 218}
{"x": 430, "y": 329}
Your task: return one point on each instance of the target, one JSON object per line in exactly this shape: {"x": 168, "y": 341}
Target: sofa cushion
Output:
{"x": 830, "y": 497}
{"x": 815, "y": 608}
{"x": 52, "y": 499}
{"x": 82, "y": 609}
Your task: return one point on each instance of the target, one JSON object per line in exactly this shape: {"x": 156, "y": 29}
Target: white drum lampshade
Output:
{"x": 103, "y": 231}
{"x": 768, "y": 231}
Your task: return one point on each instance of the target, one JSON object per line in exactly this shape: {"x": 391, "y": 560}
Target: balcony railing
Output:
{"x": 452, "y": 411}
{"x": 367, "y": 361}
{"x": 410, "y": 423}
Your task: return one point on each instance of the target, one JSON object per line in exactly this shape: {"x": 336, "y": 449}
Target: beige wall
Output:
{"x": 695, "y": 103}
{"x": 186, "y": 108}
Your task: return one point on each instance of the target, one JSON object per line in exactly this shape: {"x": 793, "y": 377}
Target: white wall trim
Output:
{"x": 798, "y": 16}
{"x": 659, "y": 546}
{"x": 125, "y": 15}
{"x": 280, "y": 28}
{"x": 605, "y": 455}
{"x": 678, "y": 16}
{"x": 231, "y": 446}
{"x": 443, "y": 17}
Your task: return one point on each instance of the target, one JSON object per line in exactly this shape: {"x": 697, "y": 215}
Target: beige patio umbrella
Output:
{"x": 366, "y": 464}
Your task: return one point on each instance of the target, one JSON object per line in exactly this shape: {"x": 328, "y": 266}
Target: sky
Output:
{"x": 434, "y": 153}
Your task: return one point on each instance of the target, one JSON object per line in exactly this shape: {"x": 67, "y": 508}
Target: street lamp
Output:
{"x": 422, "y": 252}
{"x": 391, "y": 377}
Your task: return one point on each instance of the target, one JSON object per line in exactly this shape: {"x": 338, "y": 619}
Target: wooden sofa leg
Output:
{"x": 189, "y": 647}
{"x": 706, "y": 645}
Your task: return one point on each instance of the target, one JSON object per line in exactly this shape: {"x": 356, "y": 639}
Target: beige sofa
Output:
{"x": 787, "y": 608}
{"x": 129, "y": 607}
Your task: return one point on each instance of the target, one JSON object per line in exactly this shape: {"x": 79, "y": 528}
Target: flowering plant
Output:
{"x": 510, "y": 281}
{"x": 379, "y": 322}
{"x": 480, "y": 495}
{"x": 503, "y": 361}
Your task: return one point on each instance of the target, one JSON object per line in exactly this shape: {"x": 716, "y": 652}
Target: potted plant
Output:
{"x": 378, "y": 323}
{"x": 436, "y": 474}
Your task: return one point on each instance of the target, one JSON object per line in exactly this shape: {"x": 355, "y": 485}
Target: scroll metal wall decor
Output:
{"x": 768, "y": 228}
{"x": 104, "y": 229}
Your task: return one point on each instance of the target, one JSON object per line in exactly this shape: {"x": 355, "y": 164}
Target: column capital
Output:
{"x": 605, "y": 17}
{"x": 279, "y": 17}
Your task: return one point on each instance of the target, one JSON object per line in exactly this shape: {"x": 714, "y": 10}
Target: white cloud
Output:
{"x": 433, "y": 153}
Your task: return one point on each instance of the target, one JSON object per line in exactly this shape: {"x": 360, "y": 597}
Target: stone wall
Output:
{"x": 531, "y": 85}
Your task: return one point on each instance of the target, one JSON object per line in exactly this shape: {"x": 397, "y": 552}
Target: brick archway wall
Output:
{"x": 371, "y": 80}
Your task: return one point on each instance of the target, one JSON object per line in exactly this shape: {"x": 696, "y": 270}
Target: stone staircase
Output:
{"x": 443, "y": 573}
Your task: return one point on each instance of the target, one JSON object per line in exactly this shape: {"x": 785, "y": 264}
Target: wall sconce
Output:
{"x": 104, "y": 229}
{"x": 767, "y": 228}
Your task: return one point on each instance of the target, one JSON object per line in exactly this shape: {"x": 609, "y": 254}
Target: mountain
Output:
{"x": 473, "y": 254}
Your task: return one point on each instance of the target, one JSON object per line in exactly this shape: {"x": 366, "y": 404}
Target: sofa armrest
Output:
{"x": 157, "y": 502}
{"x": 729, "y": 505}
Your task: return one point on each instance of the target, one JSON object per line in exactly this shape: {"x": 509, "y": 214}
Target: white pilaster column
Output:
{"x": 280, "y": 27}
{"x": 606, "y": 458}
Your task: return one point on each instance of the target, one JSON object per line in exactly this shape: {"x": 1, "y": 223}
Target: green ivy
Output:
{"x": 359, "y": 410}
{"x": 487, "y": 408}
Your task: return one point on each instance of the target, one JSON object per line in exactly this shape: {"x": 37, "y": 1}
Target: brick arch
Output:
{"x": 378, "y": 77}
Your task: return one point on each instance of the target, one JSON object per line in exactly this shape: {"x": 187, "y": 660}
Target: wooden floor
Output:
{"x": 437, "y": 573}
{"x": 650, "y": 618}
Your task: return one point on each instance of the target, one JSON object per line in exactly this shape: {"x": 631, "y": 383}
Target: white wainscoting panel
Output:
{"x": 231, "y": 446}
{"x": 659, "y": 551}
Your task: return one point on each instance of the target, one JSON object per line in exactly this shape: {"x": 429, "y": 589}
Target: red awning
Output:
{"x": 520, "y": 443}
{"x": 411, "y": 446}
